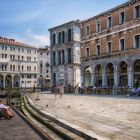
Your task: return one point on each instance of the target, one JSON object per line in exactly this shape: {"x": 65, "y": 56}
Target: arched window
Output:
{"x": 54, "y": 58}
{"x": 63, "y": 37}
{"x": 69, "y": 56}
{"x": 59, "y": 38}
{"x": 69, "y": 35}
{"x": 54, "y": 39}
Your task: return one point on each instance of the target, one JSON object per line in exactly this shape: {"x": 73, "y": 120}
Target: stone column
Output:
{"x": 93, "y": 80}
{"x": 4, "y": 81}
{"x": 12, "y": 80}
{"x": 130, "y": 76}
{"x": 66, "y": 76}
{"x": 104, "y": 78}
{"x": 56, "y": 57}
{"x": 116, "y": 76}
{"x": 66, "y": 56}
{"x": 82, "y": 77}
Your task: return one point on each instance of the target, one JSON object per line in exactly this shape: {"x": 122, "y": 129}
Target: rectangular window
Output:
{"x": 122, "y": 46}
{"x": 63, "y": 57}
{"x": 54, "y": 39}
{"x": 28, "y": 68}
{"x": 98, "y": 50}
{"x": 2, "y": 55}
{"x": 59, "y": 57}
{"x": 13, "y": 67}
{"x": 87, "y": 53}
{"x": 137, "y": 41}
{"x": 63, "y": 37}
{"x": 69, "y": 56}
{"x": 22, "y": 76}
{"x": 87, "y": 30}
{"x": 18, "y": 57}
{"x": 137, "y": 11}
{"x": 28, "y": 58}
{"x": 11, "y": 57}
{"x": 59, "y": 38}
{"x": 69, "y": 34}
{"x": 19, "y": 68}
{"x": 10, "y": 67}
{"x": 29, "y": 76}
{"x": 54, "y": 58}
{"x": 109, "y": 47}
{"x": 18, "y": 49}
{"x": 98, "y": 26}
{"x": 22, "y": 67}
{"x": 34, "y": 68}
{"x": 122, "y": 17}
{"x": 28, "y": 51}
{"x": 109, "y": 22}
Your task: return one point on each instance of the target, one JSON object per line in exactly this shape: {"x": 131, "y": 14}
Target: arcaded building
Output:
{"x": 44, "y": 73}
{"x": 110, "y": 51}
{"x": 18, "y": 64}
{"x": 65, "y": 53}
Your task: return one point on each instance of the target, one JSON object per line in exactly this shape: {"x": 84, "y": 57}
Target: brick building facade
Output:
{"x": 110, "y": 50}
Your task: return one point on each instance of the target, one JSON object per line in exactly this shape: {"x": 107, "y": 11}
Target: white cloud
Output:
{"x": 21, "y": 17}
{"x": 39, "y": 40}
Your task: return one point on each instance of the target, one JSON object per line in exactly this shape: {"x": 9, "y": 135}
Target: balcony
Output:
{"x": 128, "y": 52}
{"x": 4, "y": 60}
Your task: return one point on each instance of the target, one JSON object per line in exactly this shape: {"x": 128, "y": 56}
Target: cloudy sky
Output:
{"x": 29, "y": 20}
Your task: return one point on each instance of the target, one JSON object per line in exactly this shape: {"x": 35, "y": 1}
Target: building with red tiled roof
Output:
{"x": 18, "y": 64}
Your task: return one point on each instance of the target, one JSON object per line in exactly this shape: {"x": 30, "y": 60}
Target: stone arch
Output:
{"x": 61, "y": 77}
{"x": 87, "y": 76}
{"x": 98, "y": 73}
{"x": 16, "y": 81}
{"x": 110, "y": 74}
{"x": 136, "y": 70}
{"x": 8, "y": 81}
{"x": 123, "y": 78}
{"x": 69, "y": 76}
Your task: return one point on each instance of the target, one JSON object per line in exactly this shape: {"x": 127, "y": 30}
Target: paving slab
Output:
{"x": 109, "y": 117}
{"x": 16, "y": 129}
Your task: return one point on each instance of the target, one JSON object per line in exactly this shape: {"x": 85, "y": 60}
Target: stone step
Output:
{"x": 52, "y": 126}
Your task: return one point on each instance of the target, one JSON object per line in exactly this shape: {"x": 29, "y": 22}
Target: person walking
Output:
{"x": 61, "y": 89}
{"x": 56, "y": 90}
{"x": 114, "y": 89}
{"x": 77, "y": 88}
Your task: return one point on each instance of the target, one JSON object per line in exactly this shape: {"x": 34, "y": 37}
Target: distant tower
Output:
{"x": 43, "y": 77}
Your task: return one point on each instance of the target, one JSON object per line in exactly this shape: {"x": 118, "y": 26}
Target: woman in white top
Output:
{"x": 5, "y": 110}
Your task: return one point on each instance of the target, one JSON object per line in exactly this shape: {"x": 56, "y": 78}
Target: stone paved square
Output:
{"x": 108, "y": 117}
